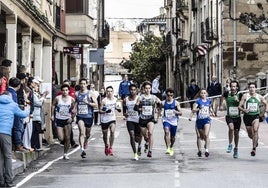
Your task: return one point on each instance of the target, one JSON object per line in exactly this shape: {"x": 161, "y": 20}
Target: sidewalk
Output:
{"x": 21, "y": 160}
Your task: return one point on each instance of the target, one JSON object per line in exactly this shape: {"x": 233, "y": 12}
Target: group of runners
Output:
{"x": 236, "y": 103}
{"x": 141, "y": 111}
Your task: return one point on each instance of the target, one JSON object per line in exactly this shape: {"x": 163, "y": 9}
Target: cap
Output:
{"x": 35, "y": 81}
{"x": 6, "y": 63}
{"x": 38, "y": 79}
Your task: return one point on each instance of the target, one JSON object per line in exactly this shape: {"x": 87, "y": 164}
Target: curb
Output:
{"x": 23, "y": 159}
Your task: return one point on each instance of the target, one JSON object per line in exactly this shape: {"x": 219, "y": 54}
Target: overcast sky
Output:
{"x": 131, "y": 10}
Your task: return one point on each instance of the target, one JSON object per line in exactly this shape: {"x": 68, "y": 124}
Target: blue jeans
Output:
{"x": 17, "y": 131}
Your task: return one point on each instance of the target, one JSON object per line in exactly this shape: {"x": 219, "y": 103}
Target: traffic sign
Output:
{"x": 72, "y": 50}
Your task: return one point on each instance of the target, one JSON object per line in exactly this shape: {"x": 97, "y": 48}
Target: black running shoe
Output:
{"x": 83, "y": 154}
{"x": 199, "y": 154}
{"x": 206, "y": 154}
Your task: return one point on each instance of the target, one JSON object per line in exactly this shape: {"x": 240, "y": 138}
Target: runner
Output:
{"x": 132, "y": 118}
{"x": 203, "y": 108}
{"x": 170, "y": 119}
{"x": 62, "y": 106}
{"x": 85, "y": 102}
{"x": 233, "y": 118}
{"x": 249, "y": 104}
{"x": 146, "y": 104}
{"x": 108, "y": 119}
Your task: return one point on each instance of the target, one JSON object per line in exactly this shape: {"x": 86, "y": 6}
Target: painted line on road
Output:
{"x": 48, "y": 164}
{"x": 177, "y": 182}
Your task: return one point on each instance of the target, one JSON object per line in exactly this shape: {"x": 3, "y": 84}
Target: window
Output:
{"x": 74, "y": 6}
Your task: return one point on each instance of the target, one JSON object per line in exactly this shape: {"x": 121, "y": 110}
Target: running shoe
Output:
{"x": 146, "y": 146}
{"x": 106, "y": 150}
{"x": 199, "y": 154}
{"x": 83, "y": 154}
{"x": 206, "y": 154}
{"x": 65, "y": 157}
{"x": 149, "y": 154}
{"x": 111, "y": 152}
{"x": 235, "y": 155}
{"x": 85, "y": 143}
{"x": 171, "y": 153}
{"x": 253, "y": 152}
{"x": 168, "y": 150}
{"x": 135, "y": 158}
{"x": 139, "y": 151}
{"x": 229, "y": 148}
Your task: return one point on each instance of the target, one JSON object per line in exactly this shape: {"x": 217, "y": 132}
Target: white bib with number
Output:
{"x": 233, "y": 111}
{"x": 147, "y": 110}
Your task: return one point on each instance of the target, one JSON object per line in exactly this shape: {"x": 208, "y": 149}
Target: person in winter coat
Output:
{"x": 8, "y": 108}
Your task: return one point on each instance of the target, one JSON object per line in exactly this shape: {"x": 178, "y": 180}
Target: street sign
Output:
{"x": 72, "y": 50}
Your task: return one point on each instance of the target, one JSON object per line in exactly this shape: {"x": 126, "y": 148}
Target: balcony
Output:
{"x": 80, "y": 29}
{"x": 182, "y": 9}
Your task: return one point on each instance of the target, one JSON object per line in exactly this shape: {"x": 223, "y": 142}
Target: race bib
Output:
{"x": 169, "y": 113}
{"x": 233, "y": 111}
{"x": 253, "y": 107}
{"x": 133, "y": 113}
{"x": 147, "y": 110}
{"x": 82, "y": 109}
{"x": 64, "y": 111}
{"x": 204, "y": 112}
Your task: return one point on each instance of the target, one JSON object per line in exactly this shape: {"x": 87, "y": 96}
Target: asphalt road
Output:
{"x": 185, "y": 169}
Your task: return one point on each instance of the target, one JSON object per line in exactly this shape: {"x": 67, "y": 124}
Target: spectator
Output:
{"x": 53, "y": 96}
{"x": 214, "y": 89}
{"x": 5, "y": 70}
{"x": 192, "y": 91}
{"x": 8, "y": 108}
{"x": 155, "y": 86}
{"x": 18, "y": 128}
{"x": 124, "y": 87}
{"x": 96, "y": 109}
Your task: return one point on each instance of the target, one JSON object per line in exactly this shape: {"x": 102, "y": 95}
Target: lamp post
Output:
{"x": 235, "y": 38}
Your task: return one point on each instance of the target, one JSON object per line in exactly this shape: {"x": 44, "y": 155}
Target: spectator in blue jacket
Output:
{"x": 8, "y": 108}
{"x": 124, "y": 87}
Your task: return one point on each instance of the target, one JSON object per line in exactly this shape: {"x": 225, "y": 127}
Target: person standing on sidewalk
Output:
{"x": 85, "y": 102}
{"x": 250, "y": 106}
{"x": 155, "y": 86}
{"x": 146, "y": 105}
{"x": 214, "y": 89}
{"x": 8, "y": 108}
{"x": 132, "y": 118}
{"x": 124, "y": 87}
{"x": 233, "y": 118}
{"x": 172, "y": 110}
{"x": 203, "y": 108}
{"x": 192, "y": 91}
{"x": 62, "y": 108}
{"x": 108, "y": 119}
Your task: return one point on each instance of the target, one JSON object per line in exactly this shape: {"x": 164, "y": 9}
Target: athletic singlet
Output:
{"x": 63, "y": 108}
{"x": 147, "y": 105}
{"x": 110, "y": 104}
{"x": 169, "y": 114}
{"x": 203, "y": 112}
{"x": 252, "y": 103}
{"x": 232, "y": 105}
{"x": 133, "y": 115}
{"x": 83, "y": 109}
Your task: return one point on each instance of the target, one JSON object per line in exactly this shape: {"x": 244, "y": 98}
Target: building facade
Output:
{"x": 36, "y": 34}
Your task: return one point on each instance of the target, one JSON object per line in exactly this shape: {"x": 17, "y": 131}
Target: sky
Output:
{"x": 131, "y": 11}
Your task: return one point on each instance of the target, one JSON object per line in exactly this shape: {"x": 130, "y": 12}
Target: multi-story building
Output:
{"x": 53, "y": 38}
{"x": 212, "y": 38}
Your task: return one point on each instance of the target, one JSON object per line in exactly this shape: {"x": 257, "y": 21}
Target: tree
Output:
{"x": 146, "y": 59}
